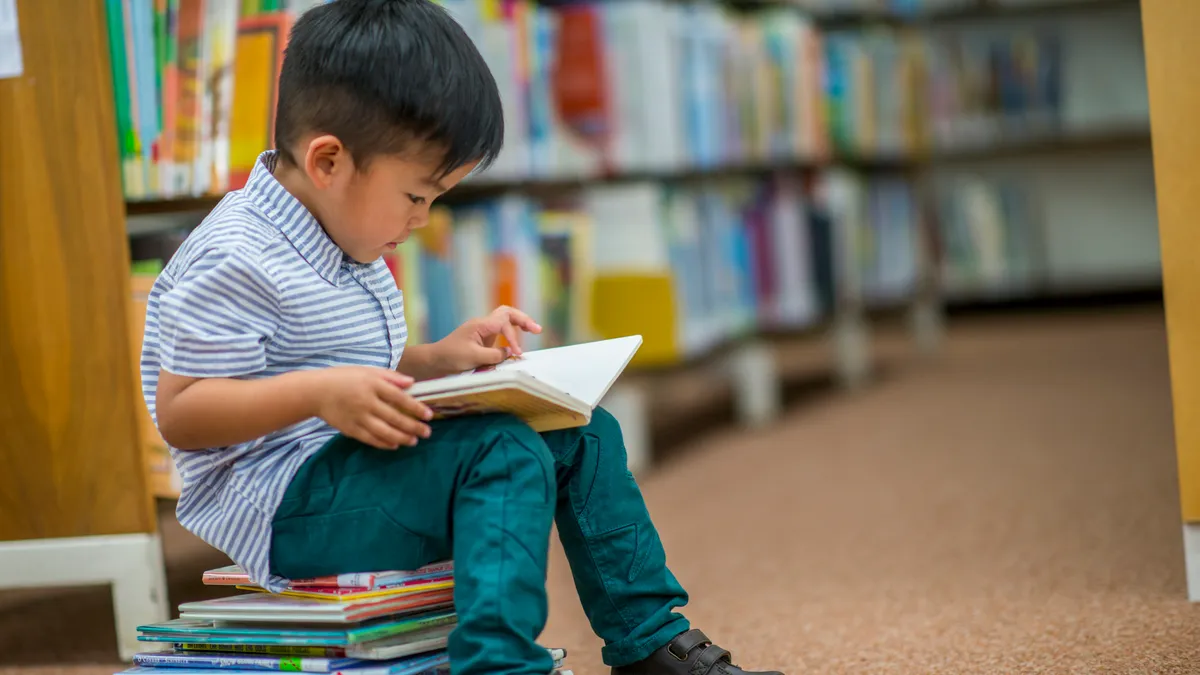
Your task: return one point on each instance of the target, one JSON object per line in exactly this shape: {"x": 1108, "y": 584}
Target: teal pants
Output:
{"x": 484, "y": 491}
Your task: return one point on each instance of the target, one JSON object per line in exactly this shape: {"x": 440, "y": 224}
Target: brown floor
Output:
{"x": 1010, "y": 508}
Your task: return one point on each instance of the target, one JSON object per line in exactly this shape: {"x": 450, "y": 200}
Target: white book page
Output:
{"x": 584, "y": 371}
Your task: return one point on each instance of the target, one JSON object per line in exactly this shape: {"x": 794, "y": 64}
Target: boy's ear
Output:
{"x": 326, "y": 160}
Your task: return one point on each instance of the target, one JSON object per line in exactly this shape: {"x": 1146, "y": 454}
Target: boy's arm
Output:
{"x": 195, "y": 413}
{"x": 214, "y": 326}
{"x": 423, "y": 362}
{"x": 368, "y": 404}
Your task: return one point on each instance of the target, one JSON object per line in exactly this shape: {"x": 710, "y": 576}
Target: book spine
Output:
{"x": 226, "y": 662}
{"x": 224, "y": 580}
{"x": 136, "y": 165}
{"x": 142, "y": 22}
{"x": 120, "y": 81}
{"x": 279, "y": 650}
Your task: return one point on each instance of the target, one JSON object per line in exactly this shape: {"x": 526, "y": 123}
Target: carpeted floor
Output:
{"x": 1011, "y": 508}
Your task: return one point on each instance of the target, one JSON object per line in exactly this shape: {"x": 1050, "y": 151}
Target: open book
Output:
{"x": 549, "y": 389}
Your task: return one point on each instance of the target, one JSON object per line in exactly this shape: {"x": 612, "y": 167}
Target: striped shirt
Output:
{"x": 259, "y": 289}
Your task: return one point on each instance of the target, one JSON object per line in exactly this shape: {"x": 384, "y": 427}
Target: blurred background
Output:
{"x": 903, "y": 402}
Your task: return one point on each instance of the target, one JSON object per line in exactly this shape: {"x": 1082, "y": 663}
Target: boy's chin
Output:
{"x": 368, "y": 257}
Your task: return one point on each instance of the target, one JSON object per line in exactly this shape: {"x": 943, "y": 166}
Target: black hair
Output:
{"x": 388, "y": 77}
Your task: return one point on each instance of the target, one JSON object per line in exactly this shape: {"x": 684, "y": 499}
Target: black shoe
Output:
{"x": 690, "y": 653}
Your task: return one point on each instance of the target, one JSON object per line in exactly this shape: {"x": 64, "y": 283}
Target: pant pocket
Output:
{"x": 358, "y": 540}
{"x": 619, "y": 554}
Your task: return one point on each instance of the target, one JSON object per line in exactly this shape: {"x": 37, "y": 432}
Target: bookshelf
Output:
{"x": 74, "y": 484}
{"x": 1169, "y": 26}
{"x": 861, "y": 138}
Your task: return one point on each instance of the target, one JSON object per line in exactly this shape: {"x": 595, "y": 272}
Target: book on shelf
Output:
{"x": 163, "y": 477}
{"x": 549, "y": 389}
{"x": 508, "y": 251}
{"x": 989, "y": 227}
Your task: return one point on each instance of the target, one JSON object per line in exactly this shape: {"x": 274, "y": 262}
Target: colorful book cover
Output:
{"x": 437, "y": 273}
{"x": 529, "y": 292}
{"x": 159, "y": 9}
{"x": 566, "y": 277}
{"x": 251, "y": 648}
{"x": 263, "y": 607}
{"x": 505, "y": 266}
{"x": 169, "y": 64}
{"x": 408, "y": 665}
{"x": 202, "y": 662}
{"x": 196, "y": 630}
{"x": 137, "y": 168}
{"x": 580, "y": 73}
{"x": 234, "y": 575}
{"x": 416, "y": 305}
{"x": 126, "y": 140}
{"x": 261, "y": 41}
{"x": 191, "y": 69}
{"x": 348, "y": 594}
{"x": 473, "y": 282}
{"x": 220, "y": 42}
{"x": 142, "y": 19}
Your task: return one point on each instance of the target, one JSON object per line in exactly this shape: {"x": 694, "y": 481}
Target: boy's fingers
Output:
{"x": 511, "y": 334}
{"x": 498, "y": 324}
{"x": 401, "y": 422}
{"x": 492, "y": 355}
{"x": 399, "y": 379}
{"x": 397, "y": 398}
{"x": 393, "y": 437}
{"x": 517, "y": 317}
{"x": 526, "y": 322}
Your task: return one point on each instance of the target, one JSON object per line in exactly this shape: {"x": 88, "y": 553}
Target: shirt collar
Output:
{"x": 293, "y": 219}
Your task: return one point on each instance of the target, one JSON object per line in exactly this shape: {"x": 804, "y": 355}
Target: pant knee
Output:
{"x": 526, "y": 456}
{"x": 604, "y": 425}
{"x": 610, "y": 441}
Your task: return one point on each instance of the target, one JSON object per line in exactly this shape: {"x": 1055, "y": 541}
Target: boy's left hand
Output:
{"x": 473, "y": 344}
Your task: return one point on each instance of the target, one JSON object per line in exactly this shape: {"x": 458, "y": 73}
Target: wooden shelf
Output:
{"x": 1100, "y": 140}
{"x": 993, "y": 9}
{"x": 145, "y": 207}
{"x": 491, "y": 187}
{"x": 980, "y": 10}
{"x": 1104, "y": 139}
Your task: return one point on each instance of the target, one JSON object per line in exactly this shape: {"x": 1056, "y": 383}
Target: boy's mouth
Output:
{"x": 391, "y": 245}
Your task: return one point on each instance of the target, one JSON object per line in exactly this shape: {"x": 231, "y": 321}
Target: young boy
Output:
{"x": 275, "y": 366}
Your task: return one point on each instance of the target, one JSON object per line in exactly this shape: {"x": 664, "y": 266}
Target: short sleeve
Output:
{"x": 216, "y": 320}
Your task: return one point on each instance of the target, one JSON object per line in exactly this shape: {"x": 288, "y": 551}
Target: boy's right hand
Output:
{"x": 372, "y": 406}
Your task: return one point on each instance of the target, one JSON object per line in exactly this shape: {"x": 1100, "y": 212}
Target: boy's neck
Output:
{"x": 296, "y": 183}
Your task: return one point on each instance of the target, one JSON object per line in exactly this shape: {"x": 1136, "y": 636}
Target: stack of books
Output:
{"x": 379, "y": 623}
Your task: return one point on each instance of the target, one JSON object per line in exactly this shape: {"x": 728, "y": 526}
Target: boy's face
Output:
{"x": 368, "y": 213}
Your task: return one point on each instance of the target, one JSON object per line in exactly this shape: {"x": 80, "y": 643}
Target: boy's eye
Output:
{"x": 417, "y": 199}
